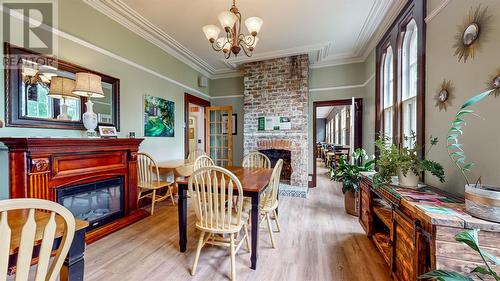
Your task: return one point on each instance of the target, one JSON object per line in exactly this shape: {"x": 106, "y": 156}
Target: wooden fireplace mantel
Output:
{"x": 38, "y": 166}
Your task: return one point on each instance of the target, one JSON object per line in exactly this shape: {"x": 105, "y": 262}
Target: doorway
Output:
{"x": 195, "y": 125}
{"x": 337, "y": 125}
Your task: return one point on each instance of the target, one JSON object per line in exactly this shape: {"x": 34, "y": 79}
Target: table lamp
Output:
{"x": 89, "y": 85}
{"x": 61, "y": 88}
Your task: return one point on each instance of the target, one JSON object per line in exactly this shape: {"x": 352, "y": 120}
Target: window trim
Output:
{"x": 414, "y": 9}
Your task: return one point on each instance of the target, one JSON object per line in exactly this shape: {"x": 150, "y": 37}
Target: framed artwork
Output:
{"x": 234, "y": 124}
{"x": 159, "y": 117}
{"x": 107, "y": 132}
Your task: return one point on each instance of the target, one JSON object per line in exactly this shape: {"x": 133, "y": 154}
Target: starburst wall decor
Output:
{"x": 444, "y": 95}
{"x": 472, "y": 33}
{"x": 494, "y": 83}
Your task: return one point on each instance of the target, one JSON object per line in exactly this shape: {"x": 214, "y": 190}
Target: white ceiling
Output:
{"x": 322, "y": 112}
{"x": 330, "y": 31}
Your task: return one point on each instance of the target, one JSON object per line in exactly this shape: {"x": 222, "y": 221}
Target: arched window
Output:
{"x": 409, "y": 82}
{"x": 388, "y": 93}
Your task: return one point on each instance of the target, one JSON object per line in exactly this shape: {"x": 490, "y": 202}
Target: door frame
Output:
{"x": 358, "y": 127}
{"x": 188, "y": 98}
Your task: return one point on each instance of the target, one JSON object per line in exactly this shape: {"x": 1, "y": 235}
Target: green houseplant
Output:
{"x": 470, "y": 238}
{"x": 404, "y": 162}
{"x": 350, "y": 176}
{"x": 481, "y": 201}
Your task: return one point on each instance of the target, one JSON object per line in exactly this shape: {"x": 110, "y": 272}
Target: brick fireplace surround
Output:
{"x": 278, "y": 87}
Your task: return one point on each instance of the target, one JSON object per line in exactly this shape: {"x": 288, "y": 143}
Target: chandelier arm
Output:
{"x": 247, "y": 51}
{"x": 227, "y": 55}
{"x": 216, "y": 47}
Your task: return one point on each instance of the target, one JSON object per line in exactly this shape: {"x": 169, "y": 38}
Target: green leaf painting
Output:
{"x": 159, "y": 117}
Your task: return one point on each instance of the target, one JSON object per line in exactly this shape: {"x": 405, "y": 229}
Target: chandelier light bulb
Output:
{"x": 227, "y": 20}
{"x": 211, "y": 32}
{"x": 253, "y": 25}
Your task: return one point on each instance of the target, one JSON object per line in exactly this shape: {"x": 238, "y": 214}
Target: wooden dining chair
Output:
{"x": 149, "y": 180}
{"x": 193, "y": 155}
{"x": 203, "y": 161}
{"x": 47, "y": 269}
{"x": 256, "y": 160}
{"x": 269, "y": 201}
{"x": 215, "y": 216}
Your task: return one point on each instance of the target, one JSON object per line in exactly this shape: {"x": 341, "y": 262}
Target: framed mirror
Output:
{"x": 31, "y": 80}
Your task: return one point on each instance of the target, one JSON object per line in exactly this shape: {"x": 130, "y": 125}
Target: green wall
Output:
{"x": 83, "y": 22}
{"x": 482, "y": 137}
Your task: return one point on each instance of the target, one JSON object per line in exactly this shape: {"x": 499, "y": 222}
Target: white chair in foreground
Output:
{"x": 203, "y": 161}
{"x": 46, "y": 269}
{"x": 209, "y": 187}
{"x": 149, "y": 180}
{"x": 256, "y": 160}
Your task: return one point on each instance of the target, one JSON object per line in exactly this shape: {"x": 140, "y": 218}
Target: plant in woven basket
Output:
{"x": 350, "y": 174}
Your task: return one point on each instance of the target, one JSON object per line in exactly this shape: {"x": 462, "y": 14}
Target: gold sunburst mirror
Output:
{"x": 472, "y": 33}
{"x": 444, "y": 95}
{"x": 494, "y": 83}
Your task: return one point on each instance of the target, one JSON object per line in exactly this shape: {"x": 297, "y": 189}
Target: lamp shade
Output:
{"x": 88, "y": 85}
{"x": 253, "y": 25}
{"x": 211, "y": 32}
{"x": 62, "y": 87}
{"x": 227, "y": 19}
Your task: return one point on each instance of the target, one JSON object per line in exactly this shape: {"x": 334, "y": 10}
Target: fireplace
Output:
{"x": 274, "y": 155}
{"x": 95, "y": 178}
{"x": 98, "y": 203}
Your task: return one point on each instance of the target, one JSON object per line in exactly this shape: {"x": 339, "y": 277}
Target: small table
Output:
{"x": 73, "y": 265}
{"x": 180, "y": 167}
{"x": 254, "y": 181}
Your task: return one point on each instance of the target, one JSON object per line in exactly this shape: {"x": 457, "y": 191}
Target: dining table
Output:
{"x": 254, "y": 181}
{"x": 73, "y": 266}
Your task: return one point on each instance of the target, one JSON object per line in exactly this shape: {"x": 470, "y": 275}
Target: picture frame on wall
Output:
{"x": 234, "y": 124}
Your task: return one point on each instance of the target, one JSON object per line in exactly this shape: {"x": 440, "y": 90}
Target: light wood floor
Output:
{"x": 319, "y": 241}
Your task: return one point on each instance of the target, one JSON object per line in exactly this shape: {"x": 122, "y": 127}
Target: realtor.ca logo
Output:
{"x": 29, "y": 24}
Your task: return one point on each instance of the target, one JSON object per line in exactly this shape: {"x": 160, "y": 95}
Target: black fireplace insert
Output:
{"x": 98, "y": 202}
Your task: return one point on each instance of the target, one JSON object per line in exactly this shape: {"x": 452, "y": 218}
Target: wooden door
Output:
{"x": 219, "y": 140}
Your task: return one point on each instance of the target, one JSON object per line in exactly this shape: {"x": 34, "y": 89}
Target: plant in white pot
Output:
{"x": 404, "y": 162}
{"x": 481, "y": 201}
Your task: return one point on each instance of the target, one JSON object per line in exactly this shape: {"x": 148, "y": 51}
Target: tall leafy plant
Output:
{"x": 404, "y": 159}
{"x": 470, "y": 238}
{"x": 454, "y": 146}
{"x": 350, "y": 174}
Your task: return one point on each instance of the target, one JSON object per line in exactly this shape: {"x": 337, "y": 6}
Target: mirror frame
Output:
{"x": 13, "y": 90}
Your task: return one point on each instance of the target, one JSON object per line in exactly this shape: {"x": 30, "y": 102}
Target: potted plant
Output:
{"x": 470, "y": 238}
{"x": 404, "y": 162}
{"x": 350, "y": 176}
{"x": 481, "y": 201}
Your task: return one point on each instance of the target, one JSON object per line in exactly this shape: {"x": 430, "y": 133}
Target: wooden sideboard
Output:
{"x": 38, "y": 167}
{"x": 415, "y": 239}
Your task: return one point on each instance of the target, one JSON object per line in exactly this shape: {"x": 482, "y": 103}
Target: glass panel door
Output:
{"x": 220, "y": 135}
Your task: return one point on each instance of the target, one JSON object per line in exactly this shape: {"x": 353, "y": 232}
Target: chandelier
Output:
{"x": 234, "y": 41}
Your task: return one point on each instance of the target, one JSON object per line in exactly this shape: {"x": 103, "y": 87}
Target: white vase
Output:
{"x": 90, "y": 118}
{"x": 409, "y": 181}
{"x": 483, "y": 202}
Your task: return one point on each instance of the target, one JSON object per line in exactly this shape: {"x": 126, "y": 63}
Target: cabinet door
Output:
{"x": 404, "y": 254}
{"x": 365, "y": 211}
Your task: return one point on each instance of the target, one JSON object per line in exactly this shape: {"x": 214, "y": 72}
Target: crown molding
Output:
{"x": 227, "y": 97}
{"x": 437, "y": 10}
{"x": 318, "y": 49}
{"x": 344, "y": 87}
{"x": 381, "y": 14}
